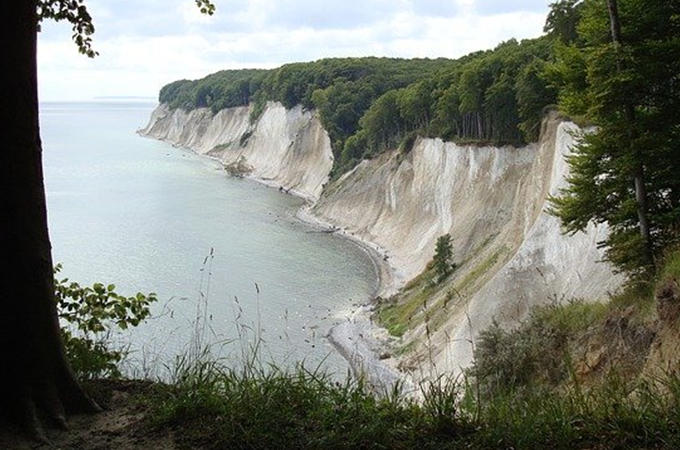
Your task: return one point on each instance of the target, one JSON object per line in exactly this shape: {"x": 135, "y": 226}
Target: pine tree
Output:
{"x": 443, "y": 254}
{"x": 624, "y": 78}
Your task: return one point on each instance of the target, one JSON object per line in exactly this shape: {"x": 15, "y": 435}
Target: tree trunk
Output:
{"x": 639, "y": 171}
{"x": 480, "y": 127}
{"x": 34, "y": 370}
{"x": 614, "y": 22}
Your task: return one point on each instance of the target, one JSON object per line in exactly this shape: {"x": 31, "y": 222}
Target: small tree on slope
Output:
{"x": 443, "y": 255}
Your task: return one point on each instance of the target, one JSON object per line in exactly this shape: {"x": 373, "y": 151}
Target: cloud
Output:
{"x": 490, "y": 7}
{"x": 329, "y": 14}
{"x": 436, "y": 8}
{"x": 145, "y": 44}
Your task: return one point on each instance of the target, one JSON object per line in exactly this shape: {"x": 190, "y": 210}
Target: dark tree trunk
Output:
{"x": 34, "y": 371}
{"x": 639, "y": 171}
{"x": 480, "y": 127}
{"x": 614, "y": 22}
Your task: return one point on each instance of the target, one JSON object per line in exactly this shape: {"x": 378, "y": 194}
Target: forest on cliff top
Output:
{"x": 368, "y": 105}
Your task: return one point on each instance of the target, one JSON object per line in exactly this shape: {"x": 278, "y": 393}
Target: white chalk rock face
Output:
{"x": 548, "y": 266}
{"x": 405, "y": 202}
{"x": 492, "y": 201}
{"x": 287, "y": 148}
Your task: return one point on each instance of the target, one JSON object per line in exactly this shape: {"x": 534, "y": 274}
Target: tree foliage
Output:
{"x": 443, "y": 257}
{"x": 563, "y": 20}
{"x": 88, "y": 316}
{"x": 75, "y": 12}
{"x": 368, "y": 105}
{"x": 224, "y": 89}
{"x": 631, "y": 92}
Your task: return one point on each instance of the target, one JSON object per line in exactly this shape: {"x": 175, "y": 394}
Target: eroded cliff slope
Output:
{"x": 510, "y": 253}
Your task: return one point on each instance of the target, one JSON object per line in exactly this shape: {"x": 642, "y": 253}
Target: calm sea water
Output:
{"x": 146, "y": 216}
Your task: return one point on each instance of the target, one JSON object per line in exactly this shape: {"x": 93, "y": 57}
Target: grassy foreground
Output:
{"x": 212, "y": 407}
{"x": 526, "y": 390}
{"x": 572, "y": 375}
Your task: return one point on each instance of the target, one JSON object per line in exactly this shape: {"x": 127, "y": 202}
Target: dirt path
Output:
{"x": 121, "y": 425}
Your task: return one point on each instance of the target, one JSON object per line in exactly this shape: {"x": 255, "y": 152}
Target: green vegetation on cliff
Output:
{"x": 368, "y": 105}
{"x": 622, "y": 74}
{"x": 220, "y": 90}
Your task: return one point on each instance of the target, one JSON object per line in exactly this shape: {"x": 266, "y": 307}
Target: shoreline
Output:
{"x": 361, "y": 342}
{"x": 387, "y": 281}
{"x": 365, "y": 345}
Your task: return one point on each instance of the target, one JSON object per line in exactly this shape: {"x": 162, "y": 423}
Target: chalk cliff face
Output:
{"x": 404, "y": 203}
{"x": 510, "y": 253}
{"x": 287, "y": 148}
{"x": 547, "y": 266}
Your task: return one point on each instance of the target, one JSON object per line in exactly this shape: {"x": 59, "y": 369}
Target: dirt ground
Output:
{"x": 121, "y": 424}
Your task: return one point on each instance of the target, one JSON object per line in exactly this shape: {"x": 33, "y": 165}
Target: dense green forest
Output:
{"x": 621, "y": 74}
{"x": 368, "y": 105}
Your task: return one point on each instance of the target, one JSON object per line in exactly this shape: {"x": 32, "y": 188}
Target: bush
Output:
{"x": 534, "y": 353}
{"x": 88, "y": 316}
{"x": 408, "y": 142}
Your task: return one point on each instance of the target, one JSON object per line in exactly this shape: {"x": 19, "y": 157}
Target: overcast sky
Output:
{"x": 144, "y": 44}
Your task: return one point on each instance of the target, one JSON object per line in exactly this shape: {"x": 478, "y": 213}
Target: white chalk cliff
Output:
{"x": 287, "y": 148}
{"x": 511, "y": 253}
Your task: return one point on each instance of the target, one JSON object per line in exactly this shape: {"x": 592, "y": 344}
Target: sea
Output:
{"x": 236, "y": 274}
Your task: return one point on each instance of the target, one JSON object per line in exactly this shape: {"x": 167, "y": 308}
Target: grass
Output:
{"x": 216, "y": 407}
{"x": 210, "y": 406}
{"x": 397, "y": 317}
{"x": 480, "y": 269}
{"x": 617, "y": 414}
{"x": 521, "y": 393}
{"x": 572, "y": 316}
{"x": 404, "y": 314}
{"x": 671, "y": 266}
{"x": 220, "y": 147}
{"x": 389, "y": 318}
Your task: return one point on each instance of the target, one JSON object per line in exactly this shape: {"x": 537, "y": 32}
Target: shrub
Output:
{"x": 88, "y": 316}
{"x": 535, "y": 352}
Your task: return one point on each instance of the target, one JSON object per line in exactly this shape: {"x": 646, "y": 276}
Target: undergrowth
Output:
{"x": 88, "y": 317}
{"x": 211, "y": 406}
{"x": 520, "y": 393}
{"x": 216, "y": 407}
{"x": 537, "y": 352}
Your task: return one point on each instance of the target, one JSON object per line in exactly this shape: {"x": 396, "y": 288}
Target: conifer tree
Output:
{"x": 443, "y": 254}
{"x": 624, "y": 78}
